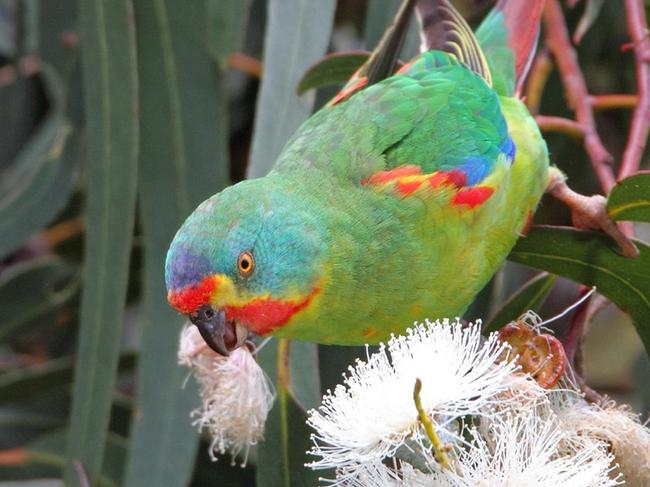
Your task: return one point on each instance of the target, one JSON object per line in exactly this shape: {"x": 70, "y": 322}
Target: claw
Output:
{"x": 589, "y": 212}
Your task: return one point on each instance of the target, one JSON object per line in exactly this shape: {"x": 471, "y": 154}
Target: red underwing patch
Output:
{"x": 384, "y": 177}
{"x": 406, "y": 188}
{"x": 454, "y": 177}
{"x": 473, "y": 197}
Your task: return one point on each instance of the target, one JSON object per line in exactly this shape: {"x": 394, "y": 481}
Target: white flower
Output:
{"x": 514, "y": 449}
{"x": 629, "y": 440}
{"x": 370, "y": 417}
{"x": 236, "y": 395}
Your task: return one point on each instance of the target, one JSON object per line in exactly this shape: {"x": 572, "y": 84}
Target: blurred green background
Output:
{"x": 116, "y": 119}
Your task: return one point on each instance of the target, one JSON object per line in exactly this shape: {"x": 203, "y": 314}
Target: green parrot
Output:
{"x": 396, "y": 202}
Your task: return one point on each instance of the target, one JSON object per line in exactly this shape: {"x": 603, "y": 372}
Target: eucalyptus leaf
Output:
{"x": 590, "y": 258}
{"x": 226, "y": 26}
{"x": 331, "y": 70}
{"x": 379, "y": 15}
{"x": 31, "y": 289}
{"x": 20, "y": 383}
{"x": 183, "y": 160}
{"x": 282, "y": 455}
{"x": 27, "y": 419}
{"x": 39, "y": 182}
{"x": 33, "y": 483}
{"x": 530, "y": 296}
{"x": 109, "y": 85}
{"x": 630, "y": 199}
{"x": 47, "y": 451}
{"x": 297, "y": 33}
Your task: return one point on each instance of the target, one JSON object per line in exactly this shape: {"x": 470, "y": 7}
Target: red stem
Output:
{"x": 558, "y": 41}
{"x": 605, "y": 102}
{"x": 638, "y": 28}
{"x": 548, "y": 123}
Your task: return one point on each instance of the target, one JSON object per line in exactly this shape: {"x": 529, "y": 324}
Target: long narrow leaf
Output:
{"x": 282, "y": 455}
{"x": 630, "y": 199}
{"x": 297, "y": 35}
{"x": 28, "y": 291}
{"x": 41, "y": 178}
{"x": 226, "y": 27}
{"x": 530, "y": 296}
{"x": 34, "y": 380}
{"x": 109, "y": 82}
{"x": 379, "y": 15}
{"x": 183, "y": 160}
{"x": 590, "y": 258}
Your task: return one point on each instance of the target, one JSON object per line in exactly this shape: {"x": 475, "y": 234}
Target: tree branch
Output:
{"x": 559, "y": 43}
{"x": 638, "y": 28}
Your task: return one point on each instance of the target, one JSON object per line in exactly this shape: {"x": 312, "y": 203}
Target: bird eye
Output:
{"x": 245, "y": 263}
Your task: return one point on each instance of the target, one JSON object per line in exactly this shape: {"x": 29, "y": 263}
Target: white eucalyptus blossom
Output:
{"x": 514, "y": 449}
{"x": 618, "y": 426}
{"x": 373, "y": 414}
{"x": 498, "y": 426}
{"x": 236, "y": 394}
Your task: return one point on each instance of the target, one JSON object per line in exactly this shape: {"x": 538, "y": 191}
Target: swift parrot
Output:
{"x": 396, "y": 202}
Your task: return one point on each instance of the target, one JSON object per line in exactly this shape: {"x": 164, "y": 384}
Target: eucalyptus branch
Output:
{"x": 638, "y": 28}
{"x": 559, "y": 43}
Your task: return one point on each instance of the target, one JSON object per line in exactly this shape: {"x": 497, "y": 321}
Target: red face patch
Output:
{"x": 191, "y": 298}
{"x": 265, "y": 315}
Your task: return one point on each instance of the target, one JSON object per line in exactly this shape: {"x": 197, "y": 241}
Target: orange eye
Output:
{"x": 245, "y": 263}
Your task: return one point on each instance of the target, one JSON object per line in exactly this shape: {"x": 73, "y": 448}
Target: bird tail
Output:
{"x": 442, "y": 28}
{"x": 508, "y": 37}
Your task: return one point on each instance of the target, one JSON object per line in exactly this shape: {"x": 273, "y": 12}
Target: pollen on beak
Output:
{"x": 219, "y": 333}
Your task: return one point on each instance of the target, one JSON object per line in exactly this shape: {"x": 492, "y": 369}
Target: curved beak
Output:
{"x": 220, "y": 334}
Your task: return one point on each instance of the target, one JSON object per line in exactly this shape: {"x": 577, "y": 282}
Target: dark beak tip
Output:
{"x": 212, "y": 327}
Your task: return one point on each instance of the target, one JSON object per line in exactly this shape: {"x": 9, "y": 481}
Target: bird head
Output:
{"x": 248, "y": 259}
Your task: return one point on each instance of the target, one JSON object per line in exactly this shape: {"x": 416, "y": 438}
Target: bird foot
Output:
{"x": 589, "y": 212}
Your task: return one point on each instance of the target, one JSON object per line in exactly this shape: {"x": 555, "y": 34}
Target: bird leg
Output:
{"x": 589, "y": 212}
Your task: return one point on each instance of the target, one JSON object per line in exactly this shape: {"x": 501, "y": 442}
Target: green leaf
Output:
{"x": 530, "y": 296}
{"x": 47, "y": 451}
{"x": 630, "y": 199}
{"x": 28, "y": 420}
{"x": 282, "y": 455}
{"x": 590, "y": 258}
{"x": 39, "y": 182}
{"x": 7, "y": 40}
{"x": 58, "y": 21}
{"x": 109, "y": 85}
{"x": 331, "y": 70}
{"x": 31, "y": 289}
{"x": 18, "y": 384}
{"x": 379, "y": 15}
{"x": 183, "y": 160}
{"x": 297, "y": 33}
{"x": 33, "y": 483}
{"x": 334, "y": 361}
{"x": 226, "y": 27}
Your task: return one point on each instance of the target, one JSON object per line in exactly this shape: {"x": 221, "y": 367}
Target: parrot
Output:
{"x": 394, "y": 203}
